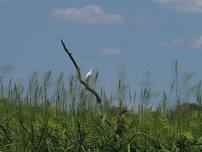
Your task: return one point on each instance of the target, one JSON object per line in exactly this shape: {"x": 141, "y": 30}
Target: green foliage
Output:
{"x": 60, "y": 115}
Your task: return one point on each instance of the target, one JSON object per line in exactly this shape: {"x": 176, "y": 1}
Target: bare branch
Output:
{"x": 99, "y": 101}
{"x": 92, "y": 91}
{"x": 72, "y": 59}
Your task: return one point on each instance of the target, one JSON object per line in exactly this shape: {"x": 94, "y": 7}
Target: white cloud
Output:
{"x": 195, "y": 43}
{"x": 176, "y": 43}
{"x": 181, "y": 5}
{"x": 110, "y": 51}
{"x": 91, "y": 14}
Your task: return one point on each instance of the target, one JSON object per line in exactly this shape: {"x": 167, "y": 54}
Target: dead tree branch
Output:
{"x": 91, "y": 90}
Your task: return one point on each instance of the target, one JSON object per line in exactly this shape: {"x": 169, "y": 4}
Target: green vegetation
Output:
{"x": 60, "y": 115}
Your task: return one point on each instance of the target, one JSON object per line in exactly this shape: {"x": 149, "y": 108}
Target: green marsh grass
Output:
{"x": 60, "y": 115}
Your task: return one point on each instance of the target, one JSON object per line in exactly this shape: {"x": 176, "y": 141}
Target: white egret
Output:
{"x": 88, "y": 74}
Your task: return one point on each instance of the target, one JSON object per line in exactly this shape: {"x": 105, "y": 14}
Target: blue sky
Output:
{"x": 146, "y": 35}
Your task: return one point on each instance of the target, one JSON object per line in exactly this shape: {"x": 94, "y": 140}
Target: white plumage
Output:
{"x": 88, "y": 74}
